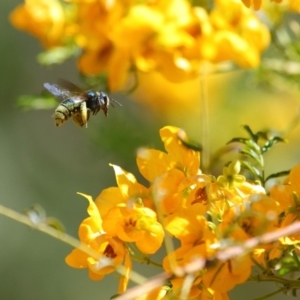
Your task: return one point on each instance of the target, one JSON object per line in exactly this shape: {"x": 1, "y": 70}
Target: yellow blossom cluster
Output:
{"x": 204, "y": 213}
{"x": 291, "y": 5}
{"x": 256, "y": 4}
{"x": 170, "y": 36}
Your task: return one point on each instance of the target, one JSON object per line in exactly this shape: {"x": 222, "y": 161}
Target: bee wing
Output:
{"x": 57, "y": 91}
{"x": 70, "y": 86}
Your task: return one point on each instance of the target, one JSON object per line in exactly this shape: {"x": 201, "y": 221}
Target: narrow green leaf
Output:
{"x": 253, "y": 170}
{"x": 254, "y": 155}
{"x": 238, "y": 140}
{"x": 267, "y": 146}
{"x": 253, "y": 136}
{"x": 191, "y": 144}
{"x": 279, "y": 174}
{"x": 253, "y": 145}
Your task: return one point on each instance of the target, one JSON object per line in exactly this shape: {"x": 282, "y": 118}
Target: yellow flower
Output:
{"x": 45, "y": 19}
{"x": 293, "y": 5}
{"x": 186, "y": 255}
{"x": 293, "y": 239}
{"x": 96, "y": 20}
{"x": 231, "y": 177}
{"x": 181, "y": 257}
{"x": 161, "y": 35}
{"x": 124, "y": 215}
{"x": 189, "y": 226}
{"x": 288, "y": 196}
{"x": 111, "y": 250}
{"x": 255, "y": 3}
{"x": 263, "y": 256}
{"x": 168, "y": 171}
{"x": 256, "y": 216}
{"x": 196, "y": 237}
{"x": 239, "y": 35}
{"x": 152, "y": 163}
{"x": 135, "y": 224}
{"x": 129, "y": 191}
{"x": 224, "y": 276}
{"x": 157, "y": 294}
{"x": 169, "y": 36}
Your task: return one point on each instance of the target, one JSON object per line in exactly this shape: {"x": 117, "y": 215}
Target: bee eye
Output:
{"x": 92, "y": 94}
{"x": 104, "y": 97}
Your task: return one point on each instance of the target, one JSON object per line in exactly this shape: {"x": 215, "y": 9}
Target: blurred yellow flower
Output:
{"x": 239, "y": 35}
{"x": 288, "y": 196}
{"x": 45, "y": 19}
{"x": 256, "y": 4}
{"x": 157, "y": 294}
{"x": 179, "y": 258}
{"x": 172, "y": 37}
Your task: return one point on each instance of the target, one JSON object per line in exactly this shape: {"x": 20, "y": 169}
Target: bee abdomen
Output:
{"x": 62, "y": 114}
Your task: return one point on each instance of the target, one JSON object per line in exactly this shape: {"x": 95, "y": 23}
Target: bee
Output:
{"x": 79, "y": 105}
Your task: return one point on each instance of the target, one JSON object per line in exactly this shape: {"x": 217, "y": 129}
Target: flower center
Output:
{"x": 109, "y": 252}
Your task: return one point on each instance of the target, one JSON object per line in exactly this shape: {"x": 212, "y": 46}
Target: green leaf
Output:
{"x": 29, "y": 102}
{"x": 57, "y": 55}
{"x": 272, "y": 142}
{"x": 252, "y": 170}
{"x": 253, "y": 136}
{"x": 248, "y": 143}
{"x": 253, "y": 145}
{"x": 56, "y": 224}
{"x": 283, "y": 271}
{"x": 279, "y": 174}
{"x": 254, "y": 155}
{"x": 238, "y": 140}
{"x": 191, "y": 144}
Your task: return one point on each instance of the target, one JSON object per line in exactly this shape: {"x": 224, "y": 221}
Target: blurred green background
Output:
{"x": 47, "y": 165}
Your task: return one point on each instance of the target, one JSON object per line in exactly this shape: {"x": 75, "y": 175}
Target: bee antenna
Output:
{"x": 115, "y": 102}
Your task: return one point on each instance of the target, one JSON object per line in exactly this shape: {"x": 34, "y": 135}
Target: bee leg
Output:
{"x": 88, "y": 113}
{"x": 84, "y": 113}
{"x": 77, "y": 119}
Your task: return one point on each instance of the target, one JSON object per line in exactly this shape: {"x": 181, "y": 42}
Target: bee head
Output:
{"x": 104, "y": 102}
{"x": 92, "y": 94}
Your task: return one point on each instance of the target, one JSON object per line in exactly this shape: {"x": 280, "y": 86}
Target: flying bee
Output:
{"x": 78, "y": 105}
